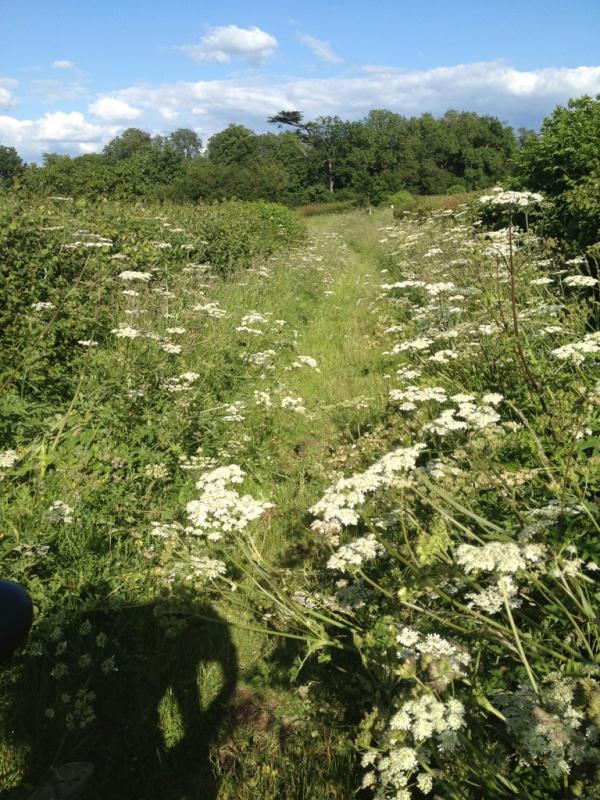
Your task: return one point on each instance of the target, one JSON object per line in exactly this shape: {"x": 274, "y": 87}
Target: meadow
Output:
{"x": 307, "y": 506}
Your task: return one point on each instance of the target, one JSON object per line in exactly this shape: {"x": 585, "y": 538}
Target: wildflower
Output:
{"x": 233, "y": 412}
{"x": 251, "y": 331}
{"x": 356, "y": 553}
{"x": 87, "y": 342}
{"x": 341, "y": 500}
{"x": 58, "y": 512}
{"x": 421, "y": 343}
{"x": 208, "y": 568}
{"x": 308, "y": 361}
{"x": 541, "y": 281}
{"x": 502, "y": 557}
{"x": 263, "y": 399}
{"x": 414, "y": 394}
{"x": 294, "y": 404}
{"x": 435, "y": 289}
{"x": 408, "y": 637}
{"x": 493, "y": 398}
{"x": 174, "y": 349}
{"x": 443, "y": 356}
{"x": 8, "y": 459}
{"x": 427, "y": 715}
{"x": 446, "y": 423}
{"x": 108, "y": 665}
{"x": 263, "y": 358}
{"x": 576, "y": 352}
{"x": 491, "y": 599}
{"x": 254, "y": 318}
{"x": 125, "y": 332}
{"x": 42, "y": 306}
{"x": 155, "y": 471}
{"x": 580, "y": 280}
{"x": 132, "y": 275}
{"x": 211, "y": 310}
{"x": 221, "y": 511}
{"x": 548, "y": 725}
{"x": 506, "y": 199}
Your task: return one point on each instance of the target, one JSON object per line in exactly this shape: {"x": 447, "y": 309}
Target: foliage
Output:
{"x": 562, "y": 162}
{"x": 11, "y": 166}
{"x": 57, "y": 272}
{"x": 425, "y": 204}
{"x": 315, "y": 209}
{"x": 451, "y": 576}
{"x": 313, "y": 161}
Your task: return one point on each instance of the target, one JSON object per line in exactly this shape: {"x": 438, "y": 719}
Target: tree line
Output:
{"x": 300, "y": 161}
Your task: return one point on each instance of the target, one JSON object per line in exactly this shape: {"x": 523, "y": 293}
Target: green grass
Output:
{"x": 191, "y": 697}
{"x": 93, "y": 454}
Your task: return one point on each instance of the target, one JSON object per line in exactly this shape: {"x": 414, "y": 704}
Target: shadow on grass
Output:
{"x": 152, "y": 730}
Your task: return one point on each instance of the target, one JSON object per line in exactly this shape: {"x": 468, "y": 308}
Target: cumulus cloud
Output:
{"x": 111, "y": 109}
{"x": 518, "y": 97}
{"x": 321, "y": 49}
{"x": 63, "y": 63}
{"x": 227, "y": 42}
{"x": 515, "y": 96}
{"x": 55, "y": 132}
{"x": 7, "y": 98}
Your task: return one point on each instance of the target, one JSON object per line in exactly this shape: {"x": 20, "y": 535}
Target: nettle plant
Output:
{"x": 456, "y": 572}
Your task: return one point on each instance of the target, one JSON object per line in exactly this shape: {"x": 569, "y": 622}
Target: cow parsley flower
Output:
{"x": 8, "y": 459}
{"x": 502, "y": 557}
{"x": 174, "y": 349}
{"x": 126, "y": 332}
{"x": 355, "y": 554}
{"x": 579, "y": 280}
{"x": 132, "y": 275}
{"x": 220, "y": 510}
{"x": 58, "y": 513}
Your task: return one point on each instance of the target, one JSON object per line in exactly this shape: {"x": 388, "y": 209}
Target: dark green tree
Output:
{"x": 236, "y": 144}
{"x": 186, "y": 142}
{"x": 11, "y": 166}
{"x": 131, "y": 142}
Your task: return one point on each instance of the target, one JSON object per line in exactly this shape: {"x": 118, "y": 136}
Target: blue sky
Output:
{"x": 74, "y": 74}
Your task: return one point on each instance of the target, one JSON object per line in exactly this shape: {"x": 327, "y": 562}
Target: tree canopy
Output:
{"x": 303, "y": 161}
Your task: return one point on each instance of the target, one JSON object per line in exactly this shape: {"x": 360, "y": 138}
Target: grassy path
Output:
{"x": 327, "y": 292}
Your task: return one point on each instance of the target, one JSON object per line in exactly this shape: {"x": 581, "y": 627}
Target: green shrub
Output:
{"x": 314, "y": 209}
{"x": 400, "y": 197}
{"x": 562, "y": 162}
{"x": 422, "y": 205}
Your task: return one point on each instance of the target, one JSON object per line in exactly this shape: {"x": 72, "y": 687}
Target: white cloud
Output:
{"x": 515, "y": 96}
{"x": 54, "y": 132}
{"x": 321, "y": 49}
{"x": 497, "y": 88}
{"x": 7, "y": 98}
{"x": 228, "y": 41}
{"x": 63, "y": 63}
{"x": 111, "y": 109}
